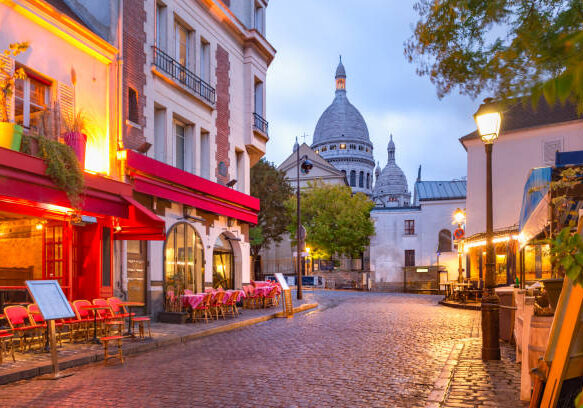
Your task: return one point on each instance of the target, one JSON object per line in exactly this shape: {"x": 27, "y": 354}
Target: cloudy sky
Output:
{"x": 310, "y": 34}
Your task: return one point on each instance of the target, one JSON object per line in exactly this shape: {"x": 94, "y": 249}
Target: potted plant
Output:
{"x": 10, "y": 133}
{"x": 75, "y": 137}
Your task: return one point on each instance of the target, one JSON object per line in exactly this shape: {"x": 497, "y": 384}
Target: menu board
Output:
{"x": 282, "y": 281}
{"x": 51, "y": 300}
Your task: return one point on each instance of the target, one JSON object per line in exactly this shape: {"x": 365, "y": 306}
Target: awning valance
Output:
{"x": 534, "y": 216}
{"x": 141, "y": 224}
{"x": 158, "y": 179}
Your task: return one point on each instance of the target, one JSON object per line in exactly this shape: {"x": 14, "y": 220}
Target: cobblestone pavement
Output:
{"x": 357, "y": 349}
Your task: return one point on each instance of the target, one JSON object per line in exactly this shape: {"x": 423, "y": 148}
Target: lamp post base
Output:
{"x": 490, "y": 326}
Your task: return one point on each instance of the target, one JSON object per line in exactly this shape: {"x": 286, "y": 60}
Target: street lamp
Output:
{"x": 459, "y": 218}
{"x": 488, "y": 119}
{"x": 306, "y": 166}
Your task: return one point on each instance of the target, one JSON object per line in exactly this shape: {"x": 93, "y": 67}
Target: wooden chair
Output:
{"x": 106, "y": 356}
{"x": 140, "y": 320}
{"x": 203, "y": 308}
{"x": 231, "y": 304}
{"x": 108, "y": 318}
{"x": 18, "y": 319}
{"x": 84, "y": 316}
{"x": 6, "y": 345}
{"x": 217, "y": 305}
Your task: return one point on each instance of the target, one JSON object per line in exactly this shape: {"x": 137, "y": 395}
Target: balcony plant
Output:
{"x": 74, "y": 136}
{"x": 10, "y": 133}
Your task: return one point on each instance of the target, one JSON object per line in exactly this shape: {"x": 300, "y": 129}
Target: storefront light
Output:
{"x": 39, "y": 226}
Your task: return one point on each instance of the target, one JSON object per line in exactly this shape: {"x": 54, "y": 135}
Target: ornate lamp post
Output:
{"x": 488, "y": 120}
{"x": 459, "y": 217}
{"x": 306, "y": 166}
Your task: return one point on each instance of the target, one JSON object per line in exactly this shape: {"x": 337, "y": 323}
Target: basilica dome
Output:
{"x": 391, "y": 187}
{"x": 341, "y": 137}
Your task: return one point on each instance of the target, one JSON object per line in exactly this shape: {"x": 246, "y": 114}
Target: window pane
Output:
{"x": 106, "y": 256}
{"x": 180, "y": 147}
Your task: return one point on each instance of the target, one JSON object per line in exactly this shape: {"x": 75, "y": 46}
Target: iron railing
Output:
{"x": 260, "y": 124}
{"x": 183, "y": 75}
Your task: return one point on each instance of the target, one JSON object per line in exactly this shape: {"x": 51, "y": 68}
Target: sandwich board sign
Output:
{"x": 288, "y": 308}
{"x": 52, "y": 304}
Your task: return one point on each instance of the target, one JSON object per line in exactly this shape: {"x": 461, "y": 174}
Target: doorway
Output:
{"x": 137, "y": 262}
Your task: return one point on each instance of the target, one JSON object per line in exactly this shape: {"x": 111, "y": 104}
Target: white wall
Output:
{"x": 513, "y": 155}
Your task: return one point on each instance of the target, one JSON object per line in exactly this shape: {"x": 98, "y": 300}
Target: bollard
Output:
{"x": 490, "y": 327}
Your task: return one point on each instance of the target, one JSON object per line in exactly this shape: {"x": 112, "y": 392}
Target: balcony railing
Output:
{"x": 260, "y": 124}
{"x": 183, "y": 75}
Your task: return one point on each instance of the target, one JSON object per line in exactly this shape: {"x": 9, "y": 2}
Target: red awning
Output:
{"x": 158, "y": 179}
{"x": 142, "y": 224}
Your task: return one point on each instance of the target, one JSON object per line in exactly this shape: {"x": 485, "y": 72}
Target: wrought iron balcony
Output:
{"x": 260, "y": 124}
{"x": 183, "y": 75}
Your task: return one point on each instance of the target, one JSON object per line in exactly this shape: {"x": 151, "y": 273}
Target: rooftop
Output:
{"x": 440, "y": 190}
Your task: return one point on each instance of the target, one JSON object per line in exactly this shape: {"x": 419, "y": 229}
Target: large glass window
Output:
{"x": 223, "y": 266}
{"x": 184, "y": 259}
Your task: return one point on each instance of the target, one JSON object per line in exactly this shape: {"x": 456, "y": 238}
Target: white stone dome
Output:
{"x": 391, "y": 185}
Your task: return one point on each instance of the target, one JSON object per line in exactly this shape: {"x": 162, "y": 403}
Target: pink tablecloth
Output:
{"x": 240, "y": 295}
{"x": 193, "y": 300}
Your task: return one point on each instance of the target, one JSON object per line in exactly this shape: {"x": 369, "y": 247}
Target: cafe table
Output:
{"x": 129, "y": 305}
{"x": 95, "y": 339}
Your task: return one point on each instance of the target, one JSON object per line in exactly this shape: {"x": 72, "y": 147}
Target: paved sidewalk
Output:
{"x": 36, "y": 363}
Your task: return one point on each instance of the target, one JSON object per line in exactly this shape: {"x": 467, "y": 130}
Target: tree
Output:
{"x": 510, "y": 48}
{"x": 336, "y": 221}
{"x": 272, "y": 188}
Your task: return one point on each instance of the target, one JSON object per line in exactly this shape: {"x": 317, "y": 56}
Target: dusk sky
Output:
{"x": 309, "y": 35}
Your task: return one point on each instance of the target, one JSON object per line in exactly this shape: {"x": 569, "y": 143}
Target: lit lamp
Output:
{"x": 459, "y": 218}
{"x": 488, "y": 119}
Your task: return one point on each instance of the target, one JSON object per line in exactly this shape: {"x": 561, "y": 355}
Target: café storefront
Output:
{"x": 43, "y": 237}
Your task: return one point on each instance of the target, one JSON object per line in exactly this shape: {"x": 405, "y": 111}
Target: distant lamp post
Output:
{"x": 488, "y": 120}
{"x": 459, "y": 218}
{"x": 306, "y": 165}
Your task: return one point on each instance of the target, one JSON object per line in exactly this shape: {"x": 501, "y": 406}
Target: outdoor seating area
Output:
{"x": 24, "y": 330}
{"x": 462, "y": 292}
{"x": 218, "y": 303}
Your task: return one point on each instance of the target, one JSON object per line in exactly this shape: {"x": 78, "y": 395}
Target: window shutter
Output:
{"x": 549, "y": 150}
{"x": 66, "y": 100}
{"x": 7, "y": 65}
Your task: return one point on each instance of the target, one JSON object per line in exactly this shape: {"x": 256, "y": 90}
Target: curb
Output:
{"x": 135, "y": 348}
{"x": 460, "y": 305}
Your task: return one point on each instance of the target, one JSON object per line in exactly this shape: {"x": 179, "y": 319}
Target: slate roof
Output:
{"x": 440, "y": 190}
{"x": 522, "y": 116}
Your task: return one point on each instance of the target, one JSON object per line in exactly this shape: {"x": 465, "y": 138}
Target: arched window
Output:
{"x": 367, "y": 180}
{"x": 352, "y": 178}
{"x": 361, "y": 179}
{"x": 183, "y": 259}
{"x": 223, "y": 265}
{"x": 444, "y": 241}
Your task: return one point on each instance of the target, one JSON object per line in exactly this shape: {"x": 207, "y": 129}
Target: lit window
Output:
{"x": 367, "y": 150}
{"x": 317, "y": 152}
{"x": 342, "y": 146}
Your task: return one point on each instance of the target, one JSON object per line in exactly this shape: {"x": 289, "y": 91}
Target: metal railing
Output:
{"x": 260, "y": 124}
{"x": 183, "y": 75}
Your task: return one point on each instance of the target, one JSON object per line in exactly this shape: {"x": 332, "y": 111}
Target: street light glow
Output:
{"x": 488, "y": 125}
{"x": 459, "y": 216}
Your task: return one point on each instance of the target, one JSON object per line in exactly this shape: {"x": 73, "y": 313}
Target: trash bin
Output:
{"x": 506, "y": 295}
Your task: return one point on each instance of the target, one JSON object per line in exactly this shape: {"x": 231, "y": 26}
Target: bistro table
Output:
{"x": 95, "y": 339}
{"x": 193, "y": 300}
{"x": 129, "y": 305}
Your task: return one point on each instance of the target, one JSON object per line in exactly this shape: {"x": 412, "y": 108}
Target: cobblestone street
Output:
{"x": 357, "y": 349}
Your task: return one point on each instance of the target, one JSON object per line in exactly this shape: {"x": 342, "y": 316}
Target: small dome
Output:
{"x": 392, "y": 179}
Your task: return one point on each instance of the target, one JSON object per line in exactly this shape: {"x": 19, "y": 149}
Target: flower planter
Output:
{"x": 77, "y": 141}
{"x": 553, "y": 287}
{"x": 10, "y": 136}
{"x": 173, "y": 317}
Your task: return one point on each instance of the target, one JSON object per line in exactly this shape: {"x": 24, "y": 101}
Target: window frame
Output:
{"x": 409, "y": 227}
{"x": 409, "y": 258}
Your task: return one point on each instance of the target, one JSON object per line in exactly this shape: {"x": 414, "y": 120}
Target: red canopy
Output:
{"x": 142, "y": 224}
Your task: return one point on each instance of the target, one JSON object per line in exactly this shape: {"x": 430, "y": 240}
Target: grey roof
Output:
{"x": 341, "y": 121}
{"x": 340, "y": 72}
{"x": 440, "y": 190}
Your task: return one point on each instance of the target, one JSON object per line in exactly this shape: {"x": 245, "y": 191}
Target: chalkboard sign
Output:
{"x": 51, "y": 300}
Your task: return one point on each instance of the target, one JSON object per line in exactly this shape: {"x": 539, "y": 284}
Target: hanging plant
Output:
{"x": 62, "y": 168}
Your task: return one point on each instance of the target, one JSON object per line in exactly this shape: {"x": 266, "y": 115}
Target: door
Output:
{"x": 137, "y": 277}
{"x": 56, "y": 254}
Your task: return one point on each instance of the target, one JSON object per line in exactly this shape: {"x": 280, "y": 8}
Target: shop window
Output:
{"x": 106, "y": 257}
{"x": 409, "y": 257}
{"x": 223, "y": 265}
{"x": 361, "y": 179}
{"x": 409, "y": 227}
{"x": 352, "y": 178}
{"x": 53, "y": 252}
{"x": 133, "y": 115}
{"x": 444, "y": 243}
{"x": 183, "y": 259}
{"x": 31, "y": 99}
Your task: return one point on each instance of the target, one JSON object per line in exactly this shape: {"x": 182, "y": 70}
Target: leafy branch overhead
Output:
{"x": 508, "y": 48}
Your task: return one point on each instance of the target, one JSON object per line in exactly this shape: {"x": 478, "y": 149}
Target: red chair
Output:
{"x": 87, "y": 317}
{"x": 118, "y": 309}
{"x": 108, "y": 318}
{"x": 203, "y": 308}
{"x": 19, "y": 322}
{"x": 75, "y": 325}
{"x": 231, "y": 303}
{"x": 216, "y": 304}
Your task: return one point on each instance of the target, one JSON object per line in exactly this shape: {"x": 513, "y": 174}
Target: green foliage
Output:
{"x": 336, "y": 221}
{"x": 567, "y": 253}
{"x": 273, "y": 189}
{"x": 7, "y": 78}
{"x": 579, "y": 400}
{"x": 63, "y": 168}
{"x": 510, "y": 48}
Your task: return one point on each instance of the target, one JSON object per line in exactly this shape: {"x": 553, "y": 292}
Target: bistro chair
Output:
{"x": 203, "y": 308}
{"x": 231, "y": 304}
{"x": 118, "y": 309}
{"x": 85, "y": 316}
{"x": 216, "y": 305}
{"x": 36, "y": 318}
{"x": 140, "y": 320}
{"x": 6, "y": 345}
{"x": 250, "y": 301}
{"x": 74, "y": 325}
{"x": 18, "y": 319}
{"x": 108, "y": 318}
